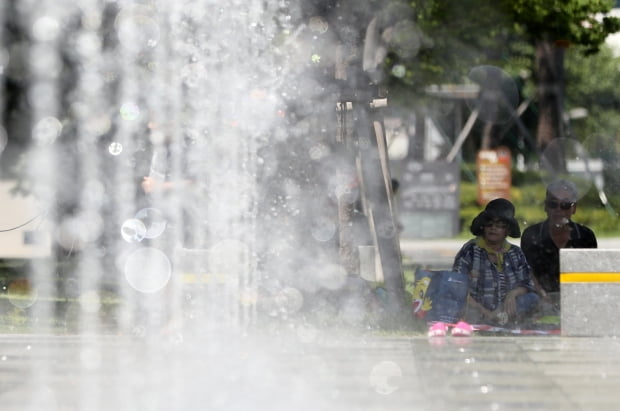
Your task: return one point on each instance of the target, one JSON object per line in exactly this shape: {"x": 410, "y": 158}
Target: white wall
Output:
{"x": 32, "y": 239}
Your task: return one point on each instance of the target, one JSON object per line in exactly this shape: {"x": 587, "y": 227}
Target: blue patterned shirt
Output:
{"x": 488, "y": 285}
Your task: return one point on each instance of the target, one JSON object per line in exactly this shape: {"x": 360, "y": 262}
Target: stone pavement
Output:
{"x": 309, "y": 370}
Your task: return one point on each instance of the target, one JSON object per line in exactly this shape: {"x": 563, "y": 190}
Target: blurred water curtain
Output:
{"x": 183, "y": 154}
{"x": 145, "y": 122}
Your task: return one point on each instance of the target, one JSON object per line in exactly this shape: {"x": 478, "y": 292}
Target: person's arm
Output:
{"x": 537, "y": 287}
{"x": 150, "y": 185}
{"x": 475, "y": 304}
{"x": 510, "y": 302}
{"x": 530, "y": 280}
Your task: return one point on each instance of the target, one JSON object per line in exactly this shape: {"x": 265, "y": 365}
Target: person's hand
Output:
{"x": 150, "y": 184}
{"x": 487, "y": 314}
{"x": 544, "y": 297}
{"x": 510, "y": 303}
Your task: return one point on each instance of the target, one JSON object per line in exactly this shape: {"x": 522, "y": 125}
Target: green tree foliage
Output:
{"x": 451, "y": 37}
{"x": 455, "y": 36}
{"x": 553, "y": 25}
{"x": 580, "y": 22}
{"x": 592, "y": 84}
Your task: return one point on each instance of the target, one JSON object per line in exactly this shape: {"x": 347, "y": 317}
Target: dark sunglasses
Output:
{"x": 497, "y": 224}
{"x": 564, "y": 205}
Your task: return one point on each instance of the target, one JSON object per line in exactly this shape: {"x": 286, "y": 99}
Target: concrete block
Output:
{"x": 590, "y": 292}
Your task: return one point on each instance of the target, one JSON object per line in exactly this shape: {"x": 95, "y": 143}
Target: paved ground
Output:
{"x": 302, "y": 368}
{"x": 301, "y": 373}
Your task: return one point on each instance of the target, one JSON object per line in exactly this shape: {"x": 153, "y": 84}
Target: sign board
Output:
{"x": 429, "y": 199}
{"x": 494, "y": 171}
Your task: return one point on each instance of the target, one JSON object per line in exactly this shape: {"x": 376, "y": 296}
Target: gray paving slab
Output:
{"x": 354, "y": 372}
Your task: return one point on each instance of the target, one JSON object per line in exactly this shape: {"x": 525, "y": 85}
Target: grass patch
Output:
{"x": 529, "y": 209}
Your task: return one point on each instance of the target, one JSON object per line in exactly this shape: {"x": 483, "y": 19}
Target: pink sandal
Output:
{"x": 438, "y": 329}
{"x": 462, "y": 329}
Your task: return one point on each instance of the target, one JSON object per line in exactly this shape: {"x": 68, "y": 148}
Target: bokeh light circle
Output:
{"x": 133, "y": 230}
{"x": 344, "y": 186}
{"x": 318, "y": 151}
{"x": 47, "y": 130}
{"x": 154, "y": 221}
{"x": 406, "y": 38}
{"x": 129, "y": 111}
{"x": 498, "y": 97}
{"x": 323, "y": 229}
{"x": 21, "y": 293}
{"x": 383, "y": 375}
{"x": 399, "y": 71}
{"x": 318, "y": 24}
{"x": 147, "y": 270}
{"x": 137, "y": 30}
{"x": 115, "y": 148}
{"x": 45, "y": 29}
{"x": 566, "y": 158}
{"x": 290, "y": 299}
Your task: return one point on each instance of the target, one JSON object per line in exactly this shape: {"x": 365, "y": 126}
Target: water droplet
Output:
{"x": 148, "y": 269}
{"x": 324, "y": 229}
{"x": 47, "y": 130}
{"x": 21, "y": 293}
{"x": 154, "y": 221}
{"x": 130, "y": 111}
{"x": 383, "y": 375}
{"x": 133, "y": 230}
{"x": 399, "y": 71}
{"x": 45, "y": 29}
{"x": 115, "y": 148}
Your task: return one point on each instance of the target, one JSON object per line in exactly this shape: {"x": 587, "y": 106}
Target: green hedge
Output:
{"x": 528, "y": 193}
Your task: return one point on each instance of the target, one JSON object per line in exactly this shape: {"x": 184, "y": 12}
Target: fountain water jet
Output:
{"x": 228, "y": 112}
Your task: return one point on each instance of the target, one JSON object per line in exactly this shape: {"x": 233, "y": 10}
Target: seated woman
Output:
{"x": 500, "y": 288}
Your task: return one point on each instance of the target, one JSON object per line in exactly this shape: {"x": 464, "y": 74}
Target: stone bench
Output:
{"x": 590, "y": 292}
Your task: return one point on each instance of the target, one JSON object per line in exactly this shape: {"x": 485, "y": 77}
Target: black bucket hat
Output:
{"x": 498, "y": 209}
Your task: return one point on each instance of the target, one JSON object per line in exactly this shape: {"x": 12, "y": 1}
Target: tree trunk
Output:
{"x": 550, "y": 71}
{"x": 487, "y": 136}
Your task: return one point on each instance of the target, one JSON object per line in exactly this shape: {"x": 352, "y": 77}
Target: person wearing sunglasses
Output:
{"x": 541, "y": 242}
{"x": 498, "y": 287}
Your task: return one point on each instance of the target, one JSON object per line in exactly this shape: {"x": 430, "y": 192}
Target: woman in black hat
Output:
{"x": 500, "y": 286}
{"x": 499, "y": 282}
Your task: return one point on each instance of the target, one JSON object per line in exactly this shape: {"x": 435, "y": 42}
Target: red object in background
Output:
{"x": 494, "y": 171}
